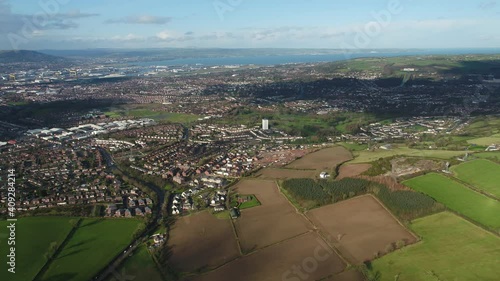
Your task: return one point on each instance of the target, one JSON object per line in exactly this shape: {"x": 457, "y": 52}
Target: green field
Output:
{"x": 250, "y": 204}
{"x": 95, "y": 243}
{"x": 33, "y": 238}
{"x": 139, "y": 266}
{"x": 482, "y": 174}
{"x": 370, "y": 156}
{"x": 487, "y": 141}
{"x": 459, "y": 198}
{"x": 494, "y": 156}
{"x": 452, "y": 249}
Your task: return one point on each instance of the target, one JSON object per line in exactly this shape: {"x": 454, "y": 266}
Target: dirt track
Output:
{"x": 363, "y": 226}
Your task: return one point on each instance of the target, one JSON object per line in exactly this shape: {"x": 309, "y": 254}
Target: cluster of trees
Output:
{"x": 405, "y": 204}
{"x": 379, "y": 167}
{"x": 345, "y": 188}
{"x": 307, "y": 190}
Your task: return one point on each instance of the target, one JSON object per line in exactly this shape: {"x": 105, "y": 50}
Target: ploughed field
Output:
{"x": 309, "y": 253}
{"x": 325, "y": 159}
{"x": 274, "y": 240}
{"x": 361, "y": 228}
{"x": 274, "y": 221}
{"x": 352, "y": 170}
{"x": 275, "y": 173}
{"x": 201, "y": 241}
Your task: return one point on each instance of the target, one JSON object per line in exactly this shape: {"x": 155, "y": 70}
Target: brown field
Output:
{"x": 363, "y": 225}
{"x": 275, "y": 220}
{"x": 201, "y": 241}
{"x": 352, "y": 170}
{"x": 308, "y": 252}
{"x": 275, "y": 173}
{"x": 325, "y": 159}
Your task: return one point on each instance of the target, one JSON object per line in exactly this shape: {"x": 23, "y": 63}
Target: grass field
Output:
{"x": 31, "y": 252}
{"x": 150, "y": 111}
{"x": 250, "y": 204}
{"x": 140, "y": 266}
{"x": 95, "y": 243}
{"x": 482, "y": 174}
{"x": 487, "y": 141}
{"x": 459, "y": 198}
{"x": 370, "y": 156}
{"x": 495, "y": 156}
{"x": 452, "y": 249}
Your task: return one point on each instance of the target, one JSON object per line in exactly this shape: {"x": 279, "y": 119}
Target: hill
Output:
{"x": 27, "y": 56}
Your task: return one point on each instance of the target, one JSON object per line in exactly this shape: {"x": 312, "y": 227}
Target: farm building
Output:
{"x": 235, "y": 213}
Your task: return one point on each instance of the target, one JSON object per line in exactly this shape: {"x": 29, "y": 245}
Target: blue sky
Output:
{"x": 77, "y": 24}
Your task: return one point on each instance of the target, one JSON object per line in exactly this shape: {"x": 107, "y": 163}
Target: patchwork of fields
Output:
{"x": 47, "y": 230}
{"x": 459, "y": 198}
{"x": 360, "y": 228}
{"x": 452, "y": 249}
{"x": 94, "y": 244}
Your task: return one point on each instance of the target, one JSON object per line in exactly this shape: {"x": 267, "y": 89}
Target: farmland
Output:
{"x": 214, "y": 240}
{"x": 482, "y": 174}
{"x": 276, "y": 263}
{"x": 275, "y": 173}
{"x": 272, "y": 222}
{"x": 459, "y": 198}
{"x": 352, "y": 170}
{"x": 452, "y": 249}
{"x": 370, "y": 156}
{"x": 140, "y": 265}
{"x": 486, "y": 141}
{"x": 32, "y": 251}
{"x": 406, "y": 204}
{"x": 346, "y": 224}
{"x": 78, "y": 259}
{"x": 325, "y": 159}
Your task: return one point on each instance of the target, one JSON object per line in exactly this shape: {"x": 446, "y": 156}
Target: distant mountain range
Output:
{"x": 28, "y": 57}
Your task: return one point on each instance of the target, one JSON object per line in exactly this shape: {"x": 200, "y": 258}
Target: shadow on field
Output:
{"x": 91, "y": 223}
{"x": 72, "y": 253}
{"x": 79, "y": 244}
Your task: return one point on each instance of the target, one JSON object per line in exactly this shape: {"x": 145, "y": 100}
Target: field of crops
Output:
{"x": 94, "y": 244}
{"x": 459, "y": 198}
{"x": 482, "y": 174}
{"x": 452, "y": 249}
{"x": 33, "y": 238}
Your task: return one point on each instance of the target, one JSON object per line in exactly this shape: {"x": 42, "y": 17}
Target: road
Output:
{"x": 112, "y": 267}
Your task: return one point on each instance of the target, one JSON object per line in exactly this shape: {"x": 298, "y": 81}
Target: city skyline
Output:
{"x": 67, "y": 24}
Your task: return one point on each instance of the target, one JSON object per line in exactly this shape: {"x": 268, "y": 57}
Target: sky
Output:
{"x": 358, "y": 24}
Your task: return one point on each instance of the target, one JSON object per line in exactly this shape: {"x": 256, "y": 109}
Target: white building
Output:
{"x": 265, "y": 124}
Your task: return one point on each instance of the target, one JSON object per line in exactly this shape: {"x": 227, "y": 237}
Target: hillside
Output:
{"x": 27, "y": 56}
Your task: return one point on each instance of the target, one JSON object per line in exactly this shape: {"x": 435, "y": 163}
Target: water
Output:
{"x": 291, "y": 59}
